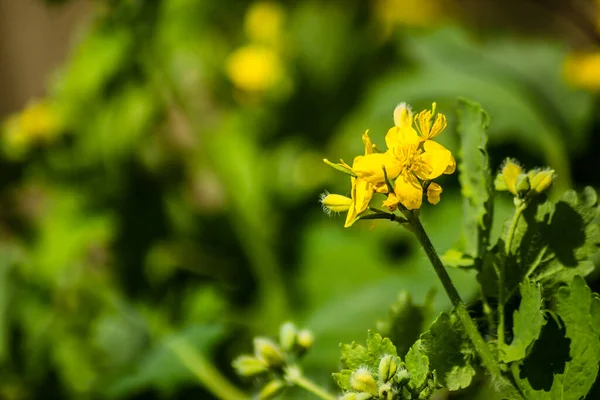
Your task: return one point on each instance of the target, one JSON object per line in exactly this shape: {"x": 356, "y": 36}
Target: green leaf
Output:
{"x": 554, "y": 241}
{"x": 417, "y": 363}
{"x": 475, "y": 177}
{"x": 406, "y": 321}
{"x": 342, "y": 378}
{"x": 528, "y": 321}
{"x": 449, "y": 351}
{"x": 579, "y": 311}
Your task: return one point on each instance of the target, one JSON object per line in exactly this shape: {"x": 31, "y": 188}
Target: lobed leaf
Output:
{"x": 475, "y": 177}
{"x": 579, "y": 311}
{"x": 448, "y": 350}
{"x": 528, "y": 321}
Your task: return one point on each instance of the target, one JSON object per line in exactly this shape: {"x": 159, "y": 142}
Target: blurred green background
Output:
{"x": 159, "y": 180}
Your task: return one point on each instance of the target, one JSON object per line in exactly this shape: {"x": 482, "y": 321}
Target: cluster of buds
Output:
{"x": 523, "y": 184}
{"x": 390, "y": 382}
{"x": 274, "y": 362}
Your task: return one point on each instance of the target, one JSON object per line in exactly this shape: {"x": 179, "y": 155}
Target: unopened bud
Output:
{"x": 335, "y": 203}
{"x": 246, "y": 365}
{"x": 402, "y": 115}
{"x": 542, "y": 180}
{"x": 305, "y": 339}
{"x": 361, "y": 380}
{"x": 510, "y": 172}
{"x": 522, "y": 185}
{"x": 387, "y": 368}
{"x": 402, "y": 376}
{"x": 268, "y": 351}
{"x": 287, "y": 336}
{"x": 385, "y": 391}
{"x": 272, "y": 389}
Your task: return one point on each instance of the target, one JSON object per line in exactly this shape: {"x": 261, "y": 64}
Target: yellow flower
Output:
{"x": 410, "y": 159}
{"x": 264, "y": 22}
{"x": 254, "y": 68}
{"x": 39, "y": 122}
{"x": 583, "y": 70}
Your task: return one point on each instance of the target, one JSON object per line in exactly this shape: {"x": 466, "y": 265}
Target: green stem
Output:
{"x": 501, "y": 273}
{"x": 207, "y": 374}
{"x": 461, "y": 311}
{"x": 301, "y": 381}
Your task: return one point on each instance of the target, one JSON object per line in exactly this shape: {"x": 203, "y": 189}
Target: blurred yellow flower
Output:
{"x": 392, "y": 13}
{"x": 583, "y": 70}
{"x": 264, "y": 21}
{"x": 39, "y": 122}
{"x": 254, "y": 68}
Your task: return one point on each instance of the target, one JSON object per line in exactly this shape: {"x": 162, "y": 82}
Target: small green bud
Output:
{"x": 361, "y": 380}
{"x": 305, "y": 339}
{"x": 268, "y": 351}
{"x": 542, "y": 180}
{"x": 287, "y": 336}
{"x": 387, "y": 368}
{"x": 402, "y": 376}
{"x": 385, "y": 392}
{"x": 272, "y": 390}
{"x": 522, "y": 185}
{"x": 246, "y": 365}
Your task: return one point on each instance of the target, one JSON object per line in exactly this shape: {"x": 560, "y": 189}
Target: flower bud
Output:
{"x": 402, "y": 115}
{"x": 385, "y": 391}
{"x": 522, "y": 185}
{"x": 361, "y": 380}
{"x": 287, "y": 336}
{"x": 508, "y": 176}
{"x": 402, "y": 376}
{"x": 305, "y": 339}
{"x": 268, "y": 352}
{"x": 272, "y": 390}
{"x": 246, "y": 365}
{"x": 387, "y": 368}
{"x": 433, "y": 193}
{"x": 542, "y": 180}
{"x": 334, "y": 203}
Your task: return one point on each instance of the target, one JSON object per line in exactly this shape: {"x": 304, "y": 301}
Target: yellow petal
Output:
{"x": 434, "y": 161}
{"x": 362, "y": 192}
{"x": 397, "y": 137}
{"x": 391, "y": 203}
{"x": 409, "y": 191}
{"x": 370, "y": 167}
{"x": 433, "y": 193}
{"x": 367, "y": 142}
{"x": 510, "y": 172}
{"x": 451, "y": 167}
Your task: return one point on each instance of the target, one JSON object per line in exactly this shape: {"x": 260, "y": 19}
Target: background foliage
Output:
{"x": 165, "y": 190}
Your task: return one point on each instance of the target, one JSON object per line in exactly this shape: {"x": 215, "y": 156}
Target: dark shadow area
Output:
{"x": 552, "y": 350}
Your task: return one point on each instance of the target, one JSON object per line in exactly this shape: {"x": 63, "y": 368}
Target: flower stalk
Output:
{"x": 484, "y": 352}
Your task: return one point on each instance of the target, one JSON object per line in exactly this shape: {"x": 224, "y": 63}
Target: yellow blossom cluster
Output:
{"x": 405, "y": 170}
